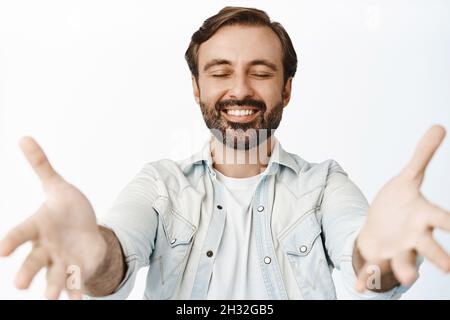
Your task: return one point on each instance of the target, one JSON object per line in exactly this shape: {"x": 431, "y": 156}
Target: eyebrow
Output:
{"x": 263, "y": 62}
{"x": 216, "y": 62}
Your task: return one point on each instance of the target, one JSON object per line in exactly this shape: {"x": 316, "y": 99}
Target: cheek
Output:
{"x": 267, "y": 88}
{"x": 210, "y": 93}
{"x": 270, "y": 94}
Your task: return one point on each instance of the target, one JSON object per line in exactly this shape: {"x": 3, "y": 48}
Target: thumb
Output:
{"x": 38, "y": 160}
{"x": 425, "y": 150}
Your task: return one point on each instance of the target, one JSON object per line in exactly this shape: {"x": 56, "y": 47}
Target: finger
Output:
{"x": 22, "y": 233}
{"x": 56, "y": 277}
{"x": 74, "y": 294}
{"x": 361, "y": 280}
{"x": 37, "y": 159}
{"x": 35, "y": 261}
{"x": 425, "y": 150}
{"x": 439, "y": 218}
{"x": 369, "y": 276}
{"x": 404, "y": 267}
{"x": 430, "y": 249}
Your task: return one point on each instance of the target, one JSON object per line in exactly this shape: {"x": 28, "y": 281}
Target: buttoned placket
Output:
{"x": 263, "y": 234}
{"x": 211, "y": 243}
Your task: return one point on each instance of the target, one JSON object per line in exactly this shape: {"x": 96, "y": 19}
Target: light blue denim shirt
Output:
{"x": 306, "y": 217}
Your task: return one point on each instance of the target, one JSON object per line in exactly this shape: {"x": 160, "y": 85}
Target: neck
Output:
{"x": 241, "y": 163}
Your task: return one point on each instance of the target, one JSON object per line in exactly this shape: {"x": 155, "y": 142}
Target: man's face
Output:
{"x": 240, "y": 85}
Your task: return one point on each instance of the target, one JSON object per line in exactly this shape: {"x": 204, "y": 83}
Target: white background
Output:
{"x": 104, "y": 88}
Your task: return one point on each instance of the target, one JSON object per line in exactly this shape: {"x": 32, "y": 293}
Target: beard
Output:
{"x": 242, "y": 136}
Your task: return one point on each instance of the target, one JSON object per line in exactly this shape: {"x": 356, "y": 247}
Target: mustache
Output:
{"x": 261, "y": 105}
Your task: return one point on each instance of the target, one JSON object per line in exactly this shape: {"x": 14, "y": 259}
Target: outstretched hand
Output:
{"x": 401, "y": 220}
{"x": 63, "y": 231}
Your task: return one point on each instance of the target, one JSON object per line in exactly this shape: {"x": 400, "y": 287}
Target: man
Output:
{"x": 243, "y": 218}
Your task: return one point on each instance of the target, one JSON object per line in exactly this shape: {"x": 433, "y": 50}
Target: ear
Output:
{"x": 195, "y": 90}
{"x": 287, "y": 92}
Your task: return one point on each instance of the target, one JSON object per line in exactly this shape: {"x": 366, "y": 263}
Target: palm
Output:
{"x": 67, "y": 227}
{"x": 394, "y": 206}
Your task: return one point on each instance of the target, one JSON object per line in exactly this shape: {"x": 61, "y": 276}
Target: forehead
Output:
{"x": 241, "y": 44}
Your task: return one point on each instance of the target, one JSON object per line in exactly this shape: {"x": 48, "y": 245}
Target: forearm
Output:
{"x": 386, "y": 281}
{"x": 111, "y": 271}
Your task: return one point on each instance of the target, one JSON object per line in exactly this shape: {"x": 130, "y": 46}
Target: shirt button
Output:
{"x": 173, "y": 241}
{"x": 260, "y": 209}
{"x": 209, "y": 253}
{"x": 267, "y": 260}
{"x": 303, "y": 249}
{"x": 219, "y": 207}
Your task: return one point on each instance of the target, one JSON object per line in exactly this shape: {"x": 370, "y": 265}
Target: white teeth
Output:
{"x": 240, "y": 113}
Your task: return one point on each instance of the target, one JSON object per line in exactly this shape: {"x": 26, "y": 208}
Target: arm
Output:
{"x": 111, "y": 271}
{"x": 343, "y": 213}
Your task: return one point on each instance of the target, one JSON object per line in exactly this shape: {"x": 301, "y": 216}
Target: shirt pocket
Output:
{"x": 173, "y": 244}
{"x": 305, "y": 252}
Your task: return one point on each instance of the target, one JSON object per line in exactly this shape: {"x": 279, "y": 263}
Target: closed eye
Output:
{"x": 262, "y": 75}
{"x": 220, "y": 75}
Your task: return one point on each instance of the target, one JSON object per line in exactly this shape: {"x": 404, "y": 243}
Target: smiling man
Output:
{"x": 242, "y": 218}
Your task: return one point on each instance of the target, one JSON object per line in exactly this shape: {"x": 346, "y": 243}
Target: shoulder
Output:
{"x": 170, "y": 175}
{"x": 310, "y": 175}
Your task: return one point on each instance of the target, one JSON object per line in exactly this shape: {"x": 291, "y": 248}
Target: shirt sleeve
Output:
{"x": 344, "y": 209}
{"x": 134, "y": 222}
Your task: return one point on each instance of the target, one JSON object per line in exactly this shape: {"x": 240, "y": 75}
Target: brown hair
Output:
{"x": 244, "y": 16}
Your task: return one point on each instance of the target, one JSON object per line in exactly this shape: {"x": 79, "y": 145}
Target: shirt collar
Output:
{"x": 282, "y": 157}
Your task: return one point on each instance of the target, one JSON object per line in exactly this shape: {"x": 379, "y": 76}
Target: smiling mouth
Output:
{"x": 241, "y": 115}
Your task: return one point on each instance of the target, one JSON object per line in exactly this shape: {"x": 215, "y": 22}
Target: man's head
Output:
{"x": 242, "y": 66}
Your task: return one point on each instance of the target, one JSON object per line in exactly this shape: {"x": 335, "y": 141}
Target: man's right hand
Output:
{"x": 63, "y": 231}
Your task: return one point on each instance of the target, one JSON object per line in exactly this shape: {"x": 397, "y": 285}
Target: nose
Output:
{"x": 240, "y": 89}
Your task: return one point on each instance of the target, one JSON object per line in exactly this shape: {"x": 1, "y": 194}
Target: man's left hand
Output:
{"x": 400, "y": 221}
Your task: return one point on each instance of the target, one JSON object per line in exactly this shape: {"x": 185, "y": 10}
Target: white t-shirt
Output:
{"x": 236, "y": 271}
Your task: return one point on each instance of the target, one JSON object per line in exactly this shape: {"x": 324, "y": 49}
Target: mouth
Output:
{"x": 240, "y": 115}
